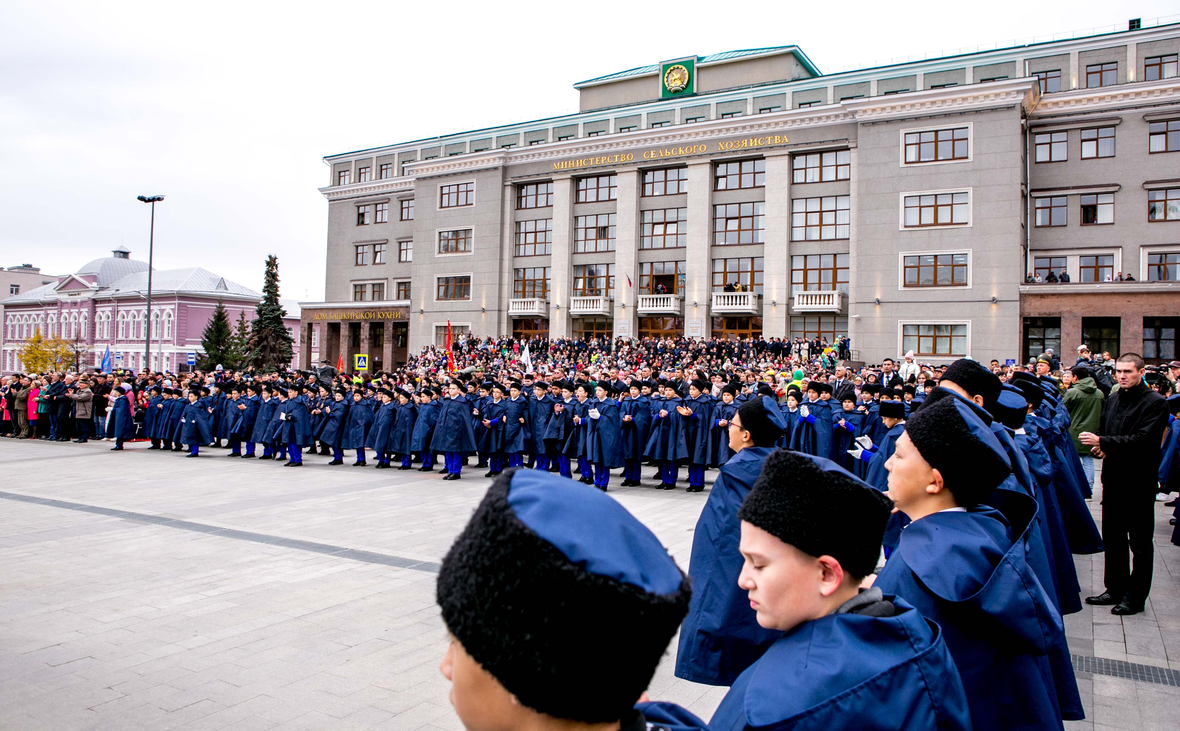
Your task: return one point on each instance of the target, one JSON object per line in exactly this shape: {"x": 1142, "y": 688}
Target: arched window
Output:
{"x": 168, "y": 324}
{"x": 122, "y": 325}
{"x": 156, "y": 325}
{"x": 82, "y": 326}
{"x": 50, "y": 324}
{"x": 73, "y": 325}
{"x": 106, "y": 325}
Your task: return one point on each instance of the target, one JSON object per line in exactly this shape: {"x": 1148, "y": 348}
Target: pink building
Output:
{"x": 104, "y": 304}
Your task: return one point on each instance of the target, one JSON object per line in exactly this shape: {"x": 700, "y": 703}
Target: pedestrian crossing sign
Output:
{"x": 361, "y": 362}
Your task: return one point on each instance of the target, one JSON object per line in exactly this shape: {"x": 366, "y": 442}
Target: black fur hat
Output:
{"x": 562, "y": 595}
{"x": 974, "y": 379}
{"x": 891, "y": 409}
{"x": 816, "y": 506}
{"x": 956, "y": 442}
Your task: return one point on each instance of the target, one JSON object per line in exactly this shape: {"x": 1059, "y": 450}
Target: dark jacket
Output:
{"x": 1083, "y": 401}
{"x": 1133, "y": 423}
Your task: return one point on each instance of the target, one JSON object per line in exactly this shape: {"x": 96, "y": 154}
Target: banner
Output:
{"x": 526, "y": 359}
{"x": 106, "y": 361}
{"x": 450, "y": 353}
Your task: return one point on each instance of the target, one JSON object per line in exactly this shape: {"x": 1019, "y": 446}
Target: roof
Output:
{"x": 111, "y": 268}
{"x": 191, "y": 280}
{"x": 704, "y": 60}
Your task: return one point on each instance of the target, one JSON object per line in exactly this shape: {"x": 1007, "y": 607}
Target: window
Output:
{"x": 385, "y": 171}
{"x": 805, "y": 105}
{"x": 666, "y": 181}
{"x": 1159, "y": 67}
{"x": 944, "y": 340}
{"x": 1159, "y": 336}
{"x": 936, "y": 209}
{"x": 596, "y": 189}
{"x": 596, "y": 133}
{"x": 402, "y": 289}
{"x": 1164, "y": 136}
{"x": 454, "y": 242}
{"x": 362, "y": 255}
{"x": 534, "y": 238}
{"x": 826, "y": 327}
{"x": 1097, "y": 142}
{"x": 768, "y": 110}
{"x": 364, "y": 215}
{"x": 690, "y": 120}
{"x": 1050, "y": 80}
{"x": 379, "y": 253}
{"x": 1163, "y": 267}
{"x": 888, "y": 93}
{"x": 594, "y": 280}
{"x": 538, "y": 142}
{"x": 745, "y": 271}
{"x": 529, "y": 328}
{"x": 405, "y": 251}
{"x": 730, "y": 115}
{"x": 458, "y": 332}
{"x": 665, "y": 228}
{"x": 1097, "y": 209}
{"x": 629, "y": 128}
{"x": 657, "y": 125}
{"x": 343, "y": 177}
{"x": 820, "y": 167}
{"x": 992, "y": 78}
{"x": 167, "y": 325}
{"x": 563, "y": 138}
{"x": 736, "y": 328}
{"x": 738, "y": 223}
{"x": 1040, "y": 334}
{"x": 454, "y": 196}
{"x": 1050, "y": 211}
{"x": 936, "y": 145}
{"x": 740, "y": 174}
{"x": 454, "y": 288}
{"x": 593, "y": 328}
{"x": 947, "y": 85}
{"x": 13, "y": 289}
{"x": 377, "y": 291}
{"x": 359, "y": 291}
{"x": 1102, "y": 334}
{"x": 531, "y": 282}
{"x": 1101, "y": 74}
{"x": 1043, "y": 265}
{"x": 935, "y": 270}
{"x": 814, "y": 219}
{"x": 405, "y": 163}
{"x": 1050, "y": 147}
{"x": 362, "y": 174}
{"x": 1163, "y": 205}
{"x": 594, "y": 233}
{"x": 1098, "y": 268}
{"x": 660, "y": 327}
{"x": 534, "y": 195}
{"x": 407, "y": 213}
{"x": 819, "y": 272}
{"x": 508, "y": 146}
{"x": 668, "y": 275}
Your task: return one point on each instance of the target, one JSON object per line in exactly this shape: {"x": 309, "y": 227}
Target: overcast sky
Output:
{"x": 228, "y": 108}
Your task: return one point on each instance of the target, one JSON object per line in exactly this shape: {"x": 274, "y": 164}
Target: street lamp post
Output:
{"x": 147, "y": 323}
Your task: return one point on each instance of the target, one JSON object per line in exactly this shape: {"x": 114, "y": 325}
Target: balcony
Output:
{"x": 822, "y": 301}
{"x": 586, "y": 306}
{"x": 530, "y": 307}
{"x": 660, "y": 304}
{"x": 736, "y": 303}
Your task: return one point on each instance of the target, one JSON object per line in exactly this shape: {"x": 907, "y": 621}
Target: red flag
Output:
{"x": 628, "y": 280}
{"x": 450, "y": 353}
{"x": 340, "y": 363}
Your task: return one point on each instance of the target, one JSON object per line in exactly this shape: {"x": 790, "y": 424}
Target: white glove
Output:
{"x": 594, "y": 413}
{"x": 864, "y": 441}
{"x": 856, "y": 453}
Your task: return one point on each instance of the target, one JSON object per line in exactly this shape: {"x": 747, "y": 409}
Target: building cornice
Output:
{"x": 350, "y": 305}
{"x": 388, "y": 186}
{"x": 1024, "y": 92}
{"x": 1134, "y": 94}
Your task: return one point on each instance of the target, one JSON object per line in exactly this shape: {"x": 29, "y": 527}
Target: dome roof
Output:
{"x": 111, "y": 269}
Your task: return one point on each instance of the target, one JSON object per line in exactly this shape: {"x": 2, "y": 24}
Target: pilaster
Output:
{"x": 776, "y": 277}
{"x": 561, "y": 267}
{"x": 698, "y": 267}
{"x": 626, "y": 252}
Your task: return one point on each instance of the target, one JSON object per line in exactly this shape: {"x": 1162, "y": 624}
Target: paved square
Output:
{"x": 148, "y": 591}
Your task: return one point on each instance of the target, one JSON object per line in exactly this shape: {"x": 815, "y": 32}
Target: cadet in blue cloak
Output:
{"x": 152, "y": 415}
{"x": 962, "y": 564}
{"x": 194, "y": 424}
{"x": 723, "y": 411}
{"x": 846, "y": 425}
{"x": 247, "y": 417}
{"x": 604, "y": 448}
{"x": 123, "y": 416}
{"x": 401, "y": 438}
{"x": 560, "y": 426}
{"x": 424, "y": 429}
{"x": 230, "y": 414}
{"x": 274, "y": 430}
{"x": 667, "y": 444}
{"x": 844, "y": 658}
{"x": 178, "y": 404}
{"x": 335, "y": 415}
{"x": 635, "y": 414}
{"x": 266, "y": 411}
{"x": 296, "y": 426}
{"x": 378, "y": 437}
{"x": 813, "y": 429}
{"x": 721, "y": 636}
{"x": 517, "y": 432}
{"x": 697, "y": 415}
{"x": 161, "y": 428}
{"x": 492, "y": 419}
{"x": 356, "y": 426}
{"x": 453, "y": 434}
{"x": 482, "y": 433}
{"x": 575, "y": 443}
{"x": 540, "y": 410}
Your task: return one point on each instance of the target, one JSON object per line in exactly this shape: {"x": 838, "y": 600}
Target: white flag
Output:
{"x": 526, "y": 360}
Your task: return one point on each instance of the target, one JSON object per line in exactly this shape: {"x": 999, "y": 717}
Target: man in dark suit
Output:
{"x": 842, "y": 385}
{"x": 889, "y": 377}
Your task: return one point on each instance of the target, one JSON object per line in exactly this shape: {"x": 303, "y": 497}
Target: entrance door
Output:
{"x": 1102, "y": 334}
{"x": 735, "y": 328}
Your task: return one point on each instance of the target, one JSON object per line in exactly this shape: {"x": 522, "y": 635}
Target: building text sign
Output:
{"x": 361, "y": 315}
{"x": 747, "y": 143}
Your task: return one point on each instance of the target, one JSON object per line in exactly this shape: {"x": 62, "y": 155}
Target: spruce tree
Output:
{"x": 217, "y": 341}
{"x": 271, "y": 346}
{"x": 242, "y": 341}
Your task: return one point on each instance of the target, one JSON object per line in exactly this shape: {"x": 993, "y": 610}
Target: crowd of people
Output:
{"x": 851, "y": 508}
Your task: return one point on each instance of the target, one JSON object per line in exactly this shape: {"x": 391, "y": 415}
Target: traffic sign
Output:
{"x": 361, "y": 362}
{"x": 118, "y": 357}
{"x": 1010, "y": 362}
{"x": 192, "y": 359}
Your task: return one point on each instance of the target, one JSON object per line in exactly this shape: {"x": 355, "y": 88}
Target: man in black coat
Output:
{"x": 842, "y": 385}
{"x": 1132, "y": 427}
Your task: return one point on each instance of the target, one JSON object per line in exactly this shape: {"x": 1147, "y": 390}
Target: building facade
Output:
{"x": 745, "y": 193}
{"x": 104, "y": 305}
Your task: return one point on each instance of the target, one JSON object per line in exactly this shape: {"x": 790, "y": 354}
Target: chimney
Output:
{"x": 1133, "y": 24}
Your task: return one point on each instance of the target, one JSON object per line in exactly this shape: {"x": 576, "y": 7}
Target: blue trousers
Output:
{"x": 601, "y": 475}
{"x": 540, "y": 461}
{"x": 496, "y": 462}
{"x": 235, "y": 447}
{"x": 52, "y": 425}
{"x": 668, "y": 472}
{"x": 296, "y": 453}
{"x": 337, "y": 454}
{"x": 563, "y": 465}
{"x": 407, "y": 458}
{"x": 266, "y": 450}
{"x": 631, "y": 470}
{"x": 249, "y": 449}
{"x": 696, "y": 475}
{"x": 426, "y": 458}
{"x": 194, "y": 449}
{"x": 360, "y": 455}
{"x": 584, "y": 467}
{"x": 515, "y": 459}
{"x": 454, "y": 462}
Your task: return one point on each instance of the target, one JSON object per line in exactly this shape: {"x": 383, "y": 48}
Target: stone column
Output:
{"x": 626, "y": 253}
{"x": 305, "y": 345}
{"x": 507, "y": 251}
{"x": 345, "y": 346}
{"x": 698, "y": 279}
{"x": 776, "y": 266}
{"x": 387, "y": 345}
{"x": 561, "y": 268}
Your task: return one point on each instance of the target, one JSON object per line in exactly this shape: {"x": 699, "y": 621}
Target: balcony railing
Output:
{"x": 583, "y": 306}
{"x": 659, "y": 304}
{"x": 736, "y": 303}
{"x": 528, "y": 307}
{"x": 822, "y": 301}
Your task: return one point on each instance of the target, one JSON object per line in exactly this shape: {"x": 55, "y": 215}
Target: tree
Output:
{"x": 218, "y": 341}
{"x": 271, "y": 345}
{"x": 40, "y": 354}
{"x": 242, "y": 340}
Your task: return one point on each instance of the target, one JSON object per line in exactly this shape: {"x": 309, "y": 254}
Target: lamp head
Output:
{"x": 150, "y": 198}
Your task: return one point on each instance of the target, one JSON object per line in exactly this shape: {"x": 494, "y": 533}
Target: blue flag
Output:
{"x": 106, "y": 360}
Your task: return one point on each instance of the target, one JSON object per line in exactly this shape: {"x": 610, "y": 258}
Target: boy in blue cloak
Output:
{"x": 230, "y": 411}
{"x": 274, "y": 430}
{"x": 335, "y": 414}
{"x": 424, "y": 429}
{"x": 845, "y": 658}
{"x": 378, "y": 438}
{"x": 401, "y": 438}
{"x": 721, "y": 636}
{"x": 962, "y": 564}
{"x": 667, "y": 444}
{"x": 846, "y": 425}
{"x": 493, "y": 419}
{"x": 696, "y": 413}
{"x": 296, "y": 428}
{"x": 151, "y": 416}
{"x": 194, "y": 423}
{"x": 479, "y": 404}
{"x": 453, "y": 434}
{"x": 540, "y": 411}
{"x": 874, "y": 456}
{"x": 813, "y": 429}
{"x": 517, "y": 431}
{"x": 266, "y": 410}
{"x": 723, "y": 411}
{"x": 604, "y": 449}
{"x": 356, "y": 427}
{"x": 560, "y": 426}
{"x": 635, "y": 413}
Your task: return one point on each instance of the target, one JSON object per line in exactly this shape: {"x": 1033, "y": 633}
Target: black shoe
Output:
{"x": 231, "y": 454}
{"x": 248, "y": 456}
{"x": 1171, "y": 521}
{"x": 382, "y": 466}
{"x": 187, "y": 456}
{"x": 656, "y": 476}
{"x": 116, "y": 449}
{"x": 82, "y": 441}
{"x": 1105, "y": 599}
{"x": 479, "y": 465}
{"x": 293, "y": 464}
{"x": 336, "y": 461}
{"x": 149, "y": 448}
{"x": 451, "y": 476}
{"x": 1125, "y": 607}
{"x": 359, "y": 464}
{"x": 489, "y": 473}
{"x": 426, "y": 468}
{"x": 288, "y": 462}
{"x": 405, "y": 467}
{"x": 695, "y": 488}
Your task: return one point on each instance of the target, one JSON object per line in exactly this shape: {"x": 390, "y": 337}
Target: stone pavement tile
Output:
{"x": 415, "y": 718}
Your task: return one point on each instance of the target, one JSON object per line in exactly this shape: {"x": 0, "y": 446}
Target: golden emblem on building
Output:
{"x": 676, "y": 78}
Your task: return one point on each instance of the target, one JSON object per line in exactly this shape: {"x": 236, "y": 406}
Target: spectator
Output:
{"x": 909, "y": 369}
{"x": 1063, "y": 277}
{"x": 1051, "y": 278}
{"x": 1128, "y": 442}
{"x": 83, "y": 399}
{"x": 1084, "y": 402}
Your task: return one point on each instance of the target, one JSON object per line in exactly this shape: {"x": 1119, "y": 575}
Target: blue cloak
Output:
{"x": 424, "y": 426}
{"x": 540, "y": 410}
{"x": 453, "y": 432}
{"x": 123, "y": 417}
{"x": 635, "y": 431}
{"x": 667, "y": 441}
{"x": 516, "y": 433}
{"x": 194, "y": 422}
{"x": 496, "y": 413}
{"x": 243, "y": 425}
{"x": 335, "y": 415}
{"x": 575, "y": 441}
{"x": 356, "y": 426}
{"x": 842, "y": 436}
{"x": 1080, "y": 530}
{"x": 719, "y": 451}
{"x": 266, "y": 413}
{"x": 604, "y": 434}
{"x": 378, "y": 437}
{"x": 297, "y": 426}
{"x": 560, "y": 424}
{"x": 1169, "y": 473}
{"x": 696, "y": 428}
{"x": 151, "y": 416}
{"x": 813, "y": 433}
{"x": 401, "y": 437}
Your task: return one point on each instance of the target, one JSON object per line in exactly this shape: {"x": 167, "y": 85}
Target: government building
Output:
{"x": 930, "y": 206}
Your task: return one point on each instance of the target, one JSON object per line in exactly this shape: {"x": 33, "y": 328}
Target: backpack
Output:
{"x": 1102, "y": 379}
